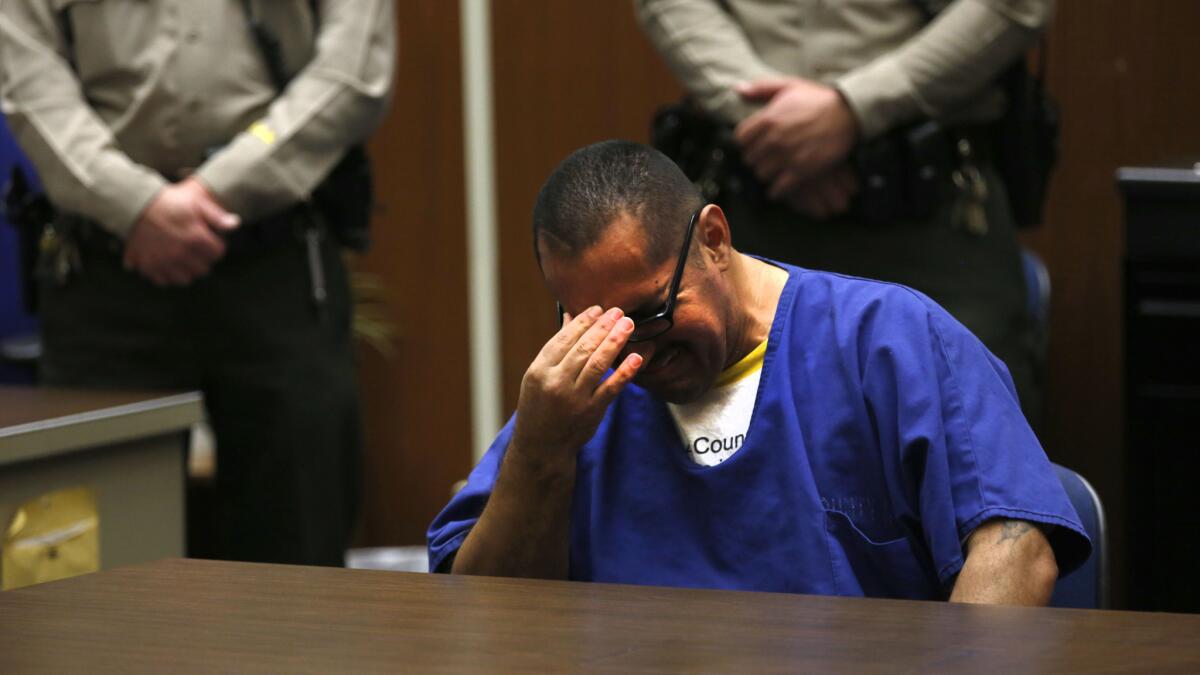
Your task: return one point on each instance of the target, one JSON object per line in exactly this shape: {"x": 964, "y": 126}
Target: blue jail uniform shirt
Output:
{"x": 882, "y": 435}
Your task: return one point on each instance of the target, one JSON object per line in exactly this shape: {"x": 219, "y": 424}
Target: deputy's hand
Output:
{"x": 805, "y": 128}
{"x": 176, "y": 239}
{"x": 563, "y": 394}
{"x": 827, "y": 195}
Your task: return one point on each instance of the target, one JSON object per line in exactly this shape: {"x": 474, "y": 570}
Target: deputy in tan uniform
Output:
{"x": 807, "y": 82}
{"x": 187, "y": 252}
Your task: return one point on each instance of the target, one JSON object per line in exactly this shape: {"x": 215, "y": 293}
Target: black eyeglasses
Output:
{"x": 651, "y": 326}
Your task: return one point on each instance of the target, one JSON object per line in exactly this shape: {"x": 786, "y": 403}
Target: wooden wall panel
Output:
{"x": 416, "y": 405}
{"x": 566, "y": 74}
{"x": 1129, "y": 95}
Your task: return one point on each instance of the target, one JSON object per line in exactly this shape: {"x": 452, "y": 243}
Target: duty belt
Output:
{"x": 65, "y": 239}
{"x": 248, "y": 239}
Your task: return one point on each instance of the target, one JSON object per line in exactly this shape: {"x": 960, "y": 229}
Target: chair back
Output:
{"x": 1087, "y": 586}
{"x": 1037, "y": 287}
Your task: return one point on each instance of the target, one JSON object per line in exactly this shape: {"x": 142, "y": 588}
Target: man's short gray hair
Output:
{"x": 596, "y": 184}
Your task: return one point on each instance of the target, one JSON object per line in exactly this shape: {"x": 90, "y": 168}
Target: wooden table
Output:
{"x": 191, "y": 615}
{"x": 129, "y": 447}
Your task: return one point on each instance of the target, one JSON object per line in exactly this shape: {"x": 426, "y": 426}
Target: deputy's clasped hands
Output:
{"x": 798, "y": 144}
{"x": 177, "y": 239}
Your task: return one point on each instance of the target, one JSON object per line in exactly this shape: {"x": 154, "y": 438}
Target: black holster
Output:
{"x": 29, "y": 213}
{"x": 344, "y": 200}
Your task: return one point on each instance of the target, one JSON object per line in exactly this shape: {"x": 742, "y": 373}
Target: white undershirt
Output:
{"x": 714, "y": 426}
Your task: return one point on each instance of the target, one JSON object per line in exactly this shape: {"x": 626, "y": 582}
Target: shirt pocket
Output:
{"x": 109, "y": 38}
{"x": 863, "y": 566}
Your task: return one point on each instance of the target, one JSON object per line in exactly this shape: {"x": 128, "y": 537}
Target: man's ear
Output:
{"x": 712, "y": 231}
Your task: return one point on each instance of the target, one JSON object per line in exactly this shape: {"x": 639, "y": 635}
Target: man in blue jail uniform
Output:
{"x": 704, "y": 418}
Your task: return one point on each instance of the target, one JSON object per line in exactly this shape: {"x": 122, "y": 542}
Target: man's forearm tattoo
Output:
{"x": 1012, "y": 530}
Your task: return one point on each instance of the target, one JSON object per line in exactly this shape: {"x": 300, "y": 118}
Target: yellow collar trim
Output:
{"x": 749, "y": 364}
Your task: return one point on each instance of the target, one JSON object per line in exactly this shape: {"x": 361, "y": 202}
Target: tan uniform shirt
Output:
{"x": 889, "y": 66}
{"x": 152, "y": 87}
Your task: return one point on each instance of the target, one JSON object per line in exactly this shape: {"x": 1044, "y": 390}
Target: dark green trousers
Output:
{"x": 976, "y": 277}
{"x": 277, "y": 378}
